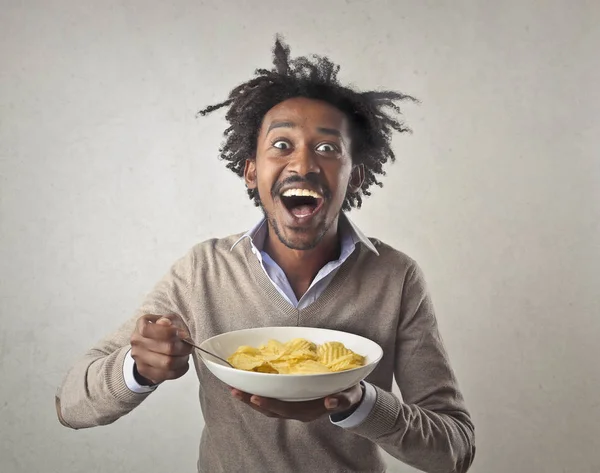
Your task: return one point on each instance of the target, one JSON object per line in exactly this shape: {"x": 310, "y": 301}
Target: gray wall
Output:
{"x": 107, "y": 177}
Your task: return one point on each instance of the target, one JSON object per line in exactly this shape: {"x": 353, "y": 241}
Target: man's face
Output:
{"x": 303, "y": 169}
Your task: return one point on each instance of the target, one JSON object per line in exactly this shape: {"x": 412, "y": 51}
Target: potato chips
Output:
{"x": 297, "y": 356}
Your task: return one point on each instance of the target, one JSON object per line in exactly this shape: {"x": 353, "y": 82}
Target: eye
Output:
{"x": 327, "y": 148}
{"x": 281, "y": 144}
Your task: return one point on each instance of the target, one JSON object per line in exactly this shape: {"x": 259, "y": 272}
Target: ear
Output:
{"x": 357, "y": 178}
{"x": 250, "y": 173}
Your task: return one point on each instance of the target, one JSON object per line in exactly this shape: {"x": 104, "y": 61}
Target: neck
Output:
{"x": 301, "y": 266}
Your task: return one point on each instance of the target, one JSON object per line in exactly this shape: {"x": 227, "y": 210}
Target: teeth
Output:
{"x": 301, "y": 193}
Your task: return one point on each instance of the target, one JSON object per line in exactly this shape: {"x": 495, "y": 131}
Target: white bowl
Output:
{"x": 289, "y": 387}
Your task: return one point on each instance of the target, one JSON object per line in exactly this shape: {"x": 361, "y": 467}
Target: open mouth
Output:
{"x": 302, "y": 203}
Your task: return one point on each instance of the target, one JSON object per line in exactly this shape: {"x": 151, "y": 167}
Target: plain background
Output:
{"x": 107, "y": 177}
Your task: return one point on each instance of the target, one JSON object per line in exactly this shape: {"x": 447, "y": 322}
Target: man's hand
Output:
{"x": 157, "y": 348}
{"x": 303, "y": 411}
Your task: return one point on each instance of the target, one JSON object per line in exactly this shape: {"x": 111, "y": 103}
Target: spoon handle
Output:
{"x": 189, "y": 342}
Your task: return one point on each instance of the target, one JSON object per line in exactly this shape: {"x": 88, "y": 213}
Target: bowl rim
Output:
{"x": 374, "y": 362}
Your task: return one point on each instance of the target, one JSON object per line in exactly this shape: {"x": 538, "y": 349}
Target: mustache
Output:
{"x": 311, "y": 179}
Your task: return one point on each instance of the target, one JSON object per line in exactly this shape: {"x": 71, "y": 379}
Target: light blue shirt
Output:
{"x": 350, "y": 236}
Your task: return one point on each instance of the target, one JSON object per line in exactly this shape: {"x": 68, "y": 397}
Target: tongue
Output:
{"x": 302, "y": 210}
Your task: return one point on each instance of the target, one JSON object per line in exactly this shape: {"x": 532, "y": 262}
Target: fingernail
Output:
{"x": 333, "y": 403}
{"x": 255, "y": 400}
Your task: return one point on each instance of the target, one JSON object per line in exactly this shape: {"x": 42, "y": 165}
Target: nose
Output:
{"x": 304, "y": 161}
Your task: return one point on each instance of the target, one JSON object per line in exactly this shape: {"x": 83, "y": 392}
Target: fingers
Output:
{"x": 157, "y": 348}
{"x": 344, "y": 400}
{"x": 175, "y": 321}
{"x": 159, "y": 361}
{"x": 158, "y": 367}
{"x": 165, "y": 363}
{"x": 146, "y": 327}
{"x": 157, "y": 334}
{"x": 173, "y": 347}
{"x": 156, "y": 327}
{"x": 290, "y": 410}
{"x": 302, "y": 411}
{"x": 158, "y": 374}
{"x": 247, "y": 399}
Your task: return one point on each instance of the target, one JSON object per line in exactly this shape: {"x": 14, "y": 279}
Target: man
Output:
{"x": 308, "y": 149}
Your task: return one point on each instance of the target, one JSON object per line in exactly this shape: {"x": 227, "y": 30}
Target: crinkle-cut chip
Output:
{"x": 243, "y": 361}
{"x": 346, "y": 362}
{"x": 300, "y": 344}
{"x": 350, "y": 357}
{"x": 272, "y": 347}
{"x": 298, "y": 355}
{"x": 281, "y": 367}
{"x": 249, "y": 350}
{"x": 331, "y": 351}
{"x": 308, "y": 367}
{"x": 359, "y": 359}
{"x": 266, "y": 368}
{"x": 341, "y": 359}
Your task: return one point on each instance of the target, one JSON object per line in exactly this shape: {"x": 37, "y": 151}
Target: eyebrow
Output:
{"x": 274, "y": 125}
{"x": 326, "y": 131}
{"x": 329, "y": 131}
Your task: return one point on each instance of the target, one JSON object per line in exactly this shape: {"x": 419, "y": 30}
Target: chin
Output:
{"x": 301, "y": 244}
{"x": 300, "y": 238}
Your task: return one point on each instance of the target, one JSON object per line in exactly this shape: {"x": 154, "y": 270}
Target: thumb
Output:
{"x": 339, "y": 402}
{"x": 345, "y": 400}
{"x": 183, "y": 334}
{"x": 174, "y": 321}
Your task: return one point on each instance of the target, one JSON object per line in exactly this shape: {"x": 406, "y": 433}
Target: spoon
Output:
{"x": 189, "y": 342}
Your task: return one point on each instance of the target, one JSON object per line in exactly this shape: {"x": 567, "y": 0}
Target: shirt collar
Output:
{"x": 348, "y": 227}
{"x": 350, "y": 235}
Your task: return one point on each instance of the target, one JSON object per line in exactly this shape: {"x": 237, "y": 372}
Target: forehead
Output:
{"x": 307, "y": 113}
